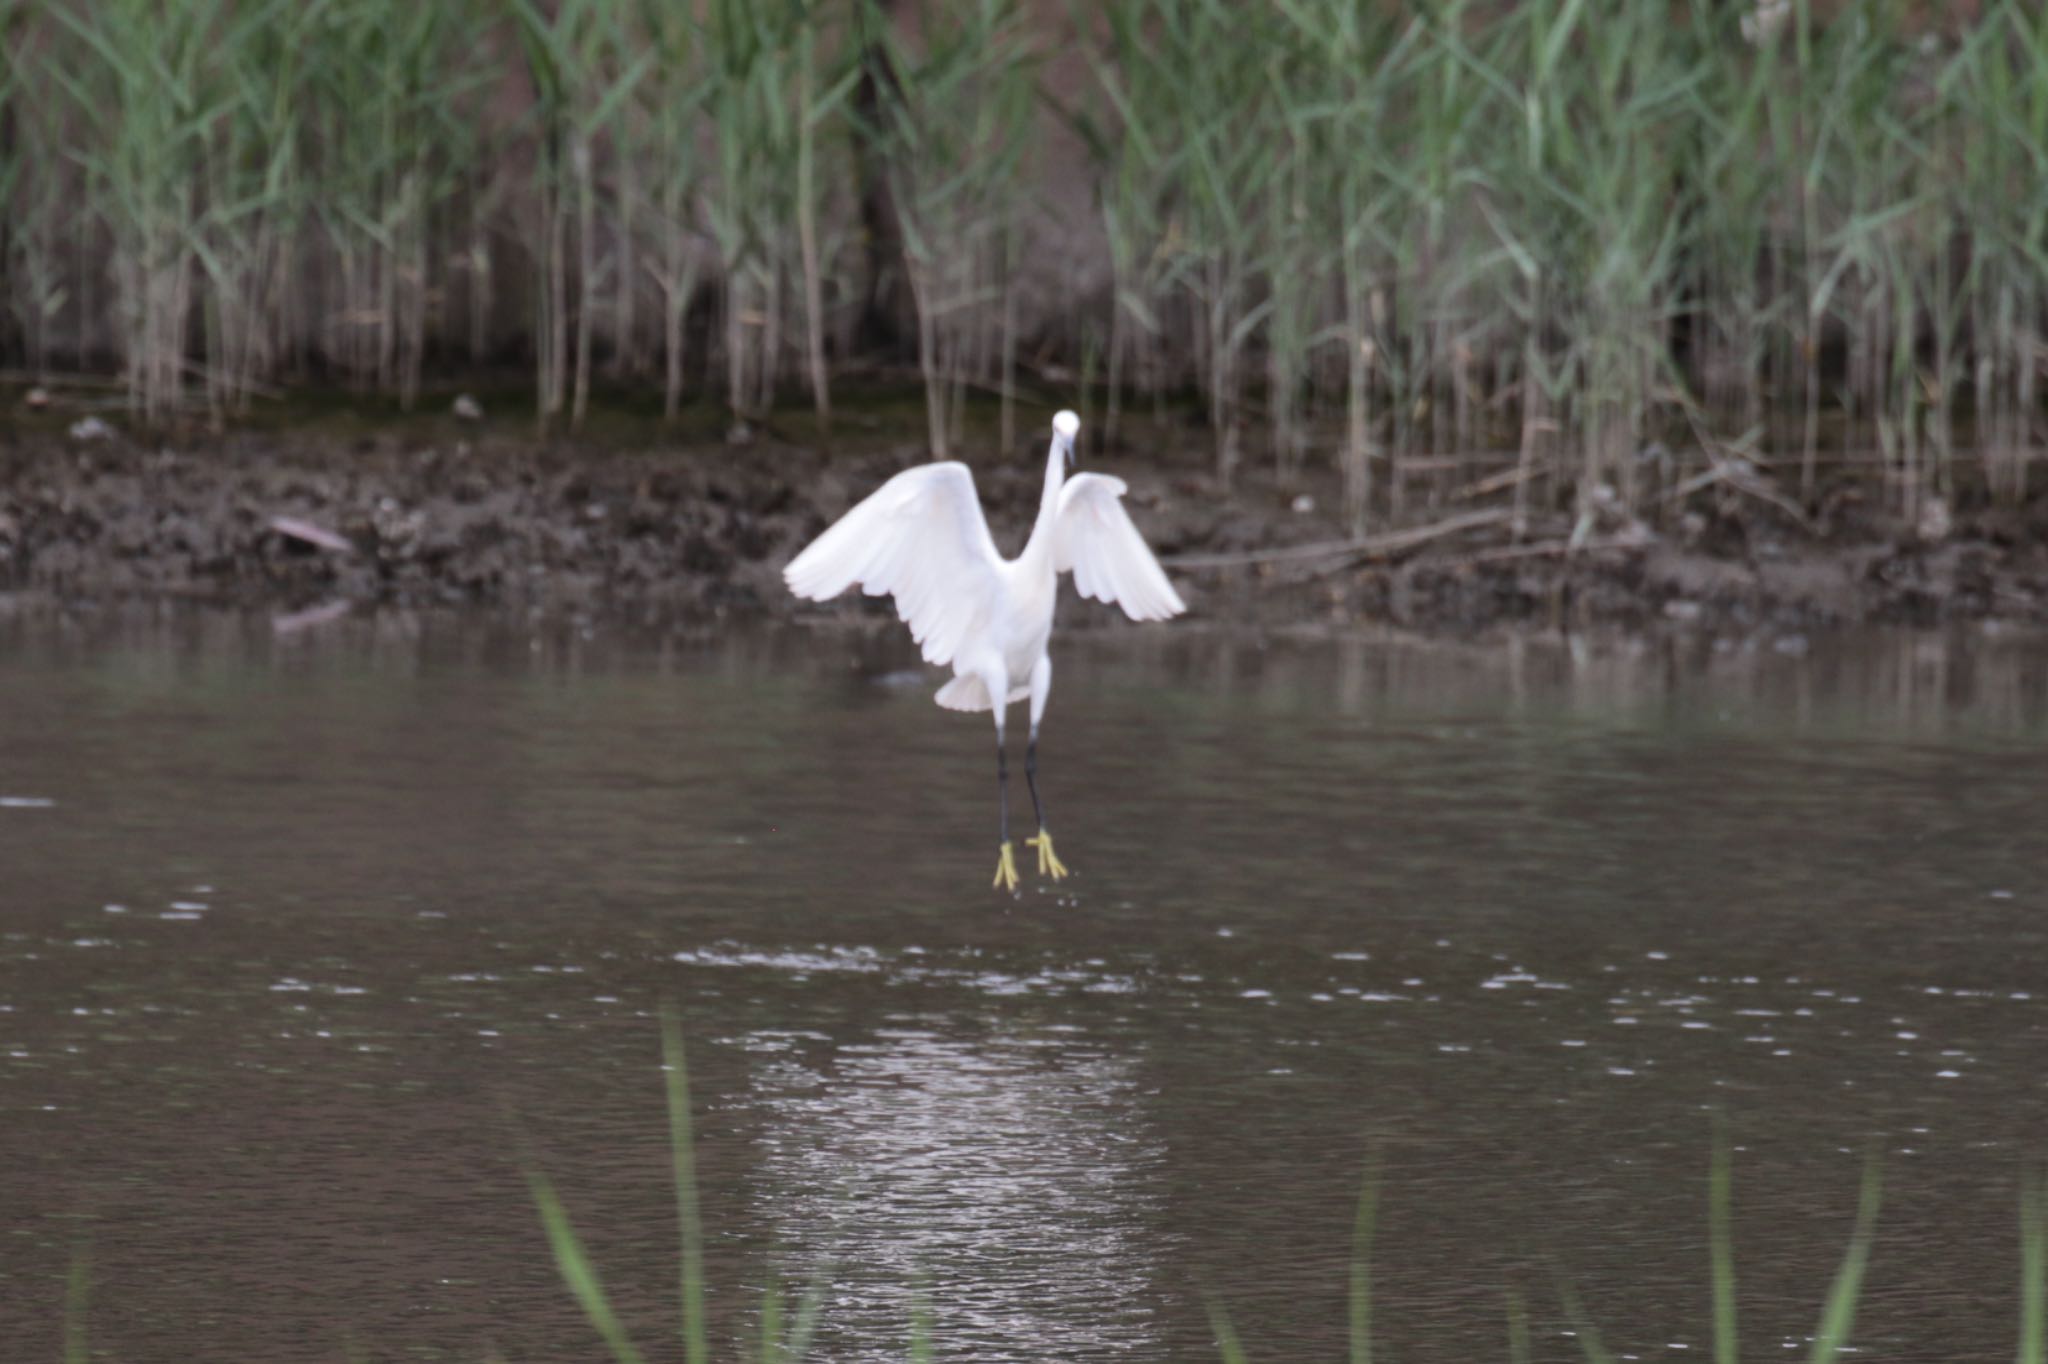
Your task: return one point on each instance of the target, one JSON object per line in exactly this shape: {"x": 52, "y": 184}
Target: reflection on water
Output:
{"x": 306, "y": 940}
{"x": 1011, "y": 1175}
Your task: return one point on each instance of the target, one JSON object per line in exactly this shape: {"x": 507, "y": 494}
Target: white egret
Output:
{"x": 922, "y": 539}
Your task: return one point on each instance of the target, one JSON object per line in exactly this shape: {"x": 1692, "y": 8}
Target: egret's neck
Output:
{"x": 1048, "y": 505}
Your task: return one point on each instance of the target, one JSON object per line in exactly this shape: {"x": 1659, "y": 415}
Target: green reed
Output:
{"x": 1456, "y": 244}
{"x": 1838, "y": 1309}
{"x": 1721, "y": 1248}
{"x": 2000, "y": 116}
{"x": 1134, "y": 193}
{"x": 77, "y": 1294}
{"x": 666, "y": 137}
{"x": 579, "y": 1273}
{"x": 683, "y": 1160}
{"x": 585, "y": 63}
{"x": 2033, "y": 1346}
{"x": 951, "y": 112}
{"x": 783, "y": 1337}
{"x": 1340, "y": 199}
{"x": 143, "y": 79}
{"x": 35, "y": 186}
{"x": 778, "y": 77}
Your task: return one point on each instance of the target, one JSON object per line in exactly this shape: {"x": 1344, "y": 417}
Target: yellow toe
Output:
{"x": 1006, "y": 868}
{"x": 1049, "y": 863}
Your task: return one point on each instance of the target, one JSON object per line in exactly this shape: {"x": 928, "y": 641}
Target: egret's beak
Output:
{"x": 1065, "y": 427}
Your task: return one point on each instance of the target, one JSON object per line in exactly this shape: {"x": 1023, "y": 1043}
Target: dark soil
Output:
{"x": 446, "y": 514}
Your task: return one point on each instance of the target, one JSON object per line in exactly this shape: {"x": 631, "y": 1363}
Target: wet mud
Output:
{"x": 303, "y": 523}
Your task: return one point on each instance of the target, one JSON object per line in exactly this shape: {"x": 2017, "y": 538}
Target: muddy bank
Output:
{"x": 449, "y": 515}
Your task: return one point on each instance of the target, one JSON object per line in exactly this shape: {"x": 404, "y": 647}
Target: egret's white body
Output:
{"x": 921, "y": 538}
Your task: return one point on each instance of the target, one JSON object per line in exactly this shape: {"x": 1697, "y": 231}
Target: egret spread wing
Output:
{"x": 920, "y": 538}
{"x": 1110, "y": 562}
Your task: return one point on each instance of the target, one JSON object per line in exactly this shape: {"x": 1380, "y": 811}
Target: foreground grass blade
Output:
{"x": 1839, "y": 1315}
{"x": 578, "y": 1272}
{"x": 2033, "y": 1348}
{"x": 921, "y": 1328}
{"x": 771, "y": 1323}
{"x": 75, "y": 1285}
{"x": 1721, "y": 1246}
{"x": 682, "y": 1151}
{"x": 1587, "y": 1334}
{"x": 1361, "y": 1266}
{"x": 798, "y": 1344}
{"x": 1227, "y": 1343}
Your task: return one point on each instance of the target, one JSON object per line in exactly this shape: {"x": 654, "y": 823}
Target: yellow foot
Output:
{"x": 1049, "y": 863}
{"x": 1006, "y": 868}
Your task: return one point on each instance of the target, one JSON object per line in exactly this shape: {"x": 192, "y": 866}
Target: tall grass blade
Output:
{"x": 1839, "y": 1314}
{"x": 696, "y": 1350}
{"x": 771, "y": 1323}
{"x": 921, "y": 1338}
{"x": 805, "y": 1327}
{"x": 1721, "y": 1246}
{"x": 76, "y": 1286}
{"x": 1583, "y": 1330}
{"x": 1361, "y": 1265}
{"x": 577, "y": 1272}
{"x": 2033, "y": 1346}
{"x": 1227, "y": 1343}
{"x": 788, "y": 1341}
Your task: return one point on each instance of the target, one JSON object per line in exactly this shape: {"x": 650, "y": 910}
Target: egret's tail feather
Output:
{"x": 968, "y": 693}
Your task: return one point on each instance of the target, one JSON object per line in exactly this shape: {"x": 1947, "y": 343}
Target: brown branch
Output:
{"x": 1348, "y": 551}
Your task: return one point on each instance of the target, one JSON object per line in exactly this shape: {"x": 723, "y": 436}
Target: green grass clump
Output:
{"x": 1838, "y": 1310}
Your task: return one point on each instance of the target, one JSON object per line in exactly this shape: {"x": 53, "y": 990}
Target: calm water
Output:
{"x": 307, "y": 939}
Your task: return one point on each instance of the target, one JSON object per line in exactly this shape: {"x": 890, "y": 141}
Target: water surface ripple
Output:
{"x": 310, "y": 942}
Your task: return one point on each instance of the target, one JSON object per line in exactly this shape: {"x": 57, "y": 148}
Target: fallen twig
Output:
{"x": 1494, "y": 483}
{"x": 311, "y": 534}
{"x": 1348, "y": 551}
{"x": 1542, "y": 549}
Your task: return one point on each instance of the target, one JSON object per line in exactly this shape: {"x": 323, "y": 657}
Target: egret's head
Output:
{"x": 1065, "y": 426}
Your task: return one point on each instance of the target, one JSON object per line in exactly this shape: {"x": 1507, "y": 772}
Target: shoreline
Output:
{"x": 691, "y": 532}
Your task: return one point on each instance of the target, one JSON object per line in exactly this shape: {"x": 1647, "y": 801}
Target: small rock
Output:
{"x": 739, "y": 434}
{"x": 1681, "y": 608}
{"x": 91, "y": 428}
{"x": 1935, "y": 520}
{"x": 1793, "y": 646}
{"x": 37, "y": 398}
{"x": 1766, "y": 21}
{"x": 467, "y": 409}
{"x": 1303, "y": 504}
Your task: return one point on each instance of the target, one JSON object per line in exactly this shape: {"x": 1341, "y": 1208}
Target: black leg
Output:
{"x": 1003, "y": 789}
{"x": 1031, "y": 776}
{"x": 1049, "y": 863}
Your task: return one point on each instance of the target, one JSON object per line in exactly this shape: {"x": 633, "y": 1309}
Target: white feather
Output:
{"x": 1094, "y": 538}
{"x": 920, "y": 538}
